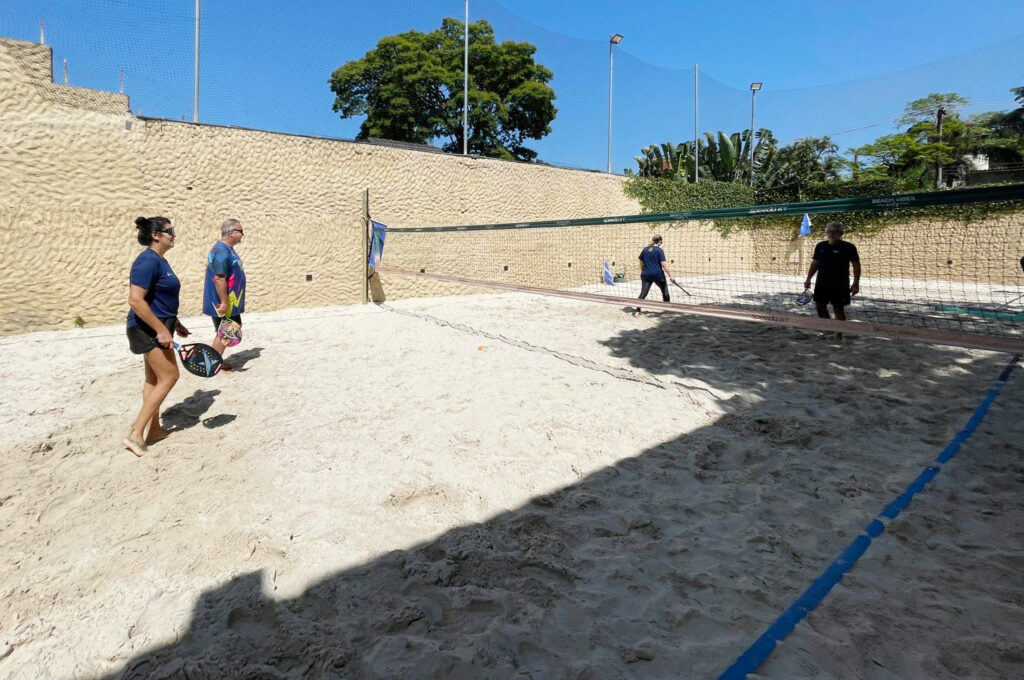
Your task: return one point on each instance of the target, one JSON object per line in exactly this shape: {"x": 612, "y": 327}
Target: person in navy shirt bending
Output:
{"x": 832, "y": 261}
{"x": 654, "y": 270}
{"x": 152, "y": 318}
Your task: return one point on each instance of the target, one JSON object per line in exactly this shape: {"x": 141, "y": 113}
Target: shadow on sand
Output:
{"x": 189, "y": 412}
{"x": 621, "y": 575}
{"x": 240, "y": 359}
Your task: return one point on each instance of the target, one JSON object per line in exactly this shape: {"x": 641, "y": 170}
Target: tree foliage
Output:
{"x": 811, "y": 169}
{"x": 726, "y": 158}
{"x": 1006, "y": 139}
{"x": 923, "y": 110}
{"x": 808, "y": 161}
{"x": 410, "y": 88}
{"x": 723, "y": 158}
{"x": 912, "y": 156}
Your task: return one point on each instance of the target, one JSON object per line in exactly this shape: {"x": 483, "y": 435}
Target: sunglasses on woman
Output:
{"x": 169, "y": 231}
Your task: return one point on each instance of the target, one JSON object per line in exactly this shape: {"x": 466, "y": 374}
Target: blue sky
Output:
{"x": 839, "y": 68}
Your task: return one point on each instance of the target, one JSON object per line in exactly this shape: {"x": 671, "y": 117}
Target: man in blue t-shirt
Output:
{"x": 654, "y": 269}
{"x": 224, "y": 289}
{"x": 832, "y": 261}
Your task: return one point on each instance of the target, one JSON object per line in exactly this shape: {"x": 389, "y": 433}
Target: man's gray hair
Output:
{"x": 835, "y": 225}
{"x": 228, "y": 225}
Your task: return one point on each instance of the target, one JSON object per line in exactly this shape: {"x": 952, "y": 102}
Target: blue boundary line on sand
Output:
{"x": 762, "y": 648}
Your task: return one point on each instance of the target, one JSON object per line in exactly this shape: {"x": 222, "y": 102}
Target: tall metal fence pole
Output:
{"x": 366, "y": 246}
{"x": 195, "y": 84}
{"x": 696, "y": 125}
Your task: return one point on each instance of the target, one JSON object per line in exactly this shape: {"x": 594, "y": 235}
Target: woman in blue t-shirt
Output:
{"x": 152, "y": 318}
{"x": 654, "y": 269}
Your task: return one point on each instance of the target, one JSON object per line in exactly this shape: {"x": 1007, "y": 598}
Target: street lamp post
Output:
{"x": 465, "y": 88}
{"x": 754, "y": 87}
{"x": 195, "y": 81}
{"x": 612, "y": 42}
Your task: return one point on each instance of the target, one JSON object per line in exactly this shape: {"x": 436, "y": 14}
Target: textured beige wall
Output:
{"x": 542, "y": 257}
{"x": 76, "y": 169}
{"x": 986, "y": 251}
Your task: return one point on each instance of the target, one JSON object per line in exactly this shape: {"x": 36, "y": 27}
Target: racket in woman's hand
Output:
{"x": 199, "y": 359}
{"x": 804, "y": 297}
{"x": 229, "y": 331}
{"x": 676, "y": 284}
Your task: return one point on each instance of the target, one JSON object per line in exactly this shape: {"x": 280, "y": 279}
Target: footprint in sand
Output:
{"x": 59, "y": 508}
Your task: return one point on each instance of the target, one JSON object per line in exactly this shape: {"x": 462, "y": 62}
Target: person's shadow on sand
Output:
{"x": 189, "y": 412}
{"x": 219, "y": 420}
{"x": 238, "y": 361}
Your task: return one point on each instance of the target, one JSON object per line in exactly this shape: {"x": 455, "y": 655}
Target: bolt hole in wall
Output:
{"x": 309, "y": 277}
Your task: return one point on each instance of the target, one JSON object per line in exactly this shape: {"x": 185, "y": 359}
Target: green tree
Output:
{"x": 1014, "y": 120}
{"x": 923, "y": 110}
{"x": 726, "y": 158}
{"x": 410, "y": 88}
{"x": 788, "y": 172}
{"x": 1004, "y": 142}
{"x": 723, "y": 158}
{"x": 912, "y": 156}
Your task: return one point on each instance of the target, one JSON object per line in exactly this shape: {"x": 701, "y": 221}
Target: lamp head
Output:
{"x": 754, "y": 87}
{"x": 615, "y": 39}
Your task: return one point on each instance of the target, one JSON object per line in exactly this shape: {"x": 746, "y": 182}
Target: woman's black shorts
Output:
{"x": 142, "y": 338}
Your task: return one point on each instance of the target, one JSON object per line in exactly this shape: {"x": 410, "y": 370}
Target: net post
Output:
{"x": 366, "y": 242}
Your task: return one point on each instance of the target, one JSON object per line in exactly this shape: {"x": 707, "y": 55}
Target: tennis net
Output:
{"x": 941, "y": 267}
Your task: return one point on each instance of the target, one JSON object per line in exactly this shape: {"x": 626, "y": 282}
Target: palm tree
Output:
{"x": 723, "y": 158}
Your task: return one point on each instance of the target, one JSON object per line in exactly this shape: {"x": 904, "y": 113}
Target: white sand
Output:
{"x": 506, "y": 487}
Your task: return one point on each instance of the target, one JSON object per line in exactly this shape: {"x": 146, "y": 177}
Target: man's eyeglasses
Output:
{"x": 169, "y": 231}
{"x": 239, "y": 231}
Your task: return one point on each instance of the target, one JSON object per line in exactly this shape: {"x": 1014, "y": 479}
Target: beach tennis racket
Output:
{"x": 199, "y": 359}
{"x": 680, "y": 287}
{"x": 804, "y": 297}
{"x": 229, "y": 331}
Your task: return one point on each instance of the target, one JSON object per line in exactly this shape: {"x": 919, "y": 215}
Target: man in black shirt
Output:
{"x": 832, "y": 260}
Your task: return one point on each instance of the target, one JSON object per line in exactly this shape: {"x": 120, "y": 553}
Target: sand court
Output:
{"x": 506, "y": 486}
